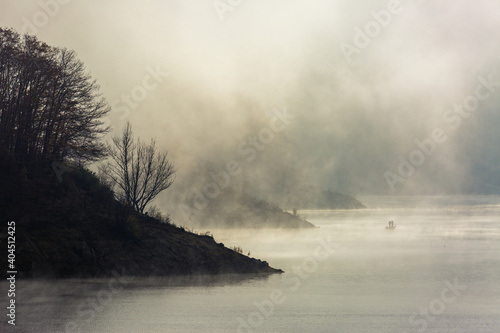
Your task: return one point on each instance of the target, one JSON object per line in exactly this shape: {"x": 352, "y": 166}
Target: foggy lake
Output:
{"x": 243, "y": 113}
{"x": 438, "y": 271}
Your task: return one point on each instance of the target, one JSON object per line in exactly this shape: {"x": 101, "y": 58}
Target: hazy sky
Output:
{"x": 363, "y": 80}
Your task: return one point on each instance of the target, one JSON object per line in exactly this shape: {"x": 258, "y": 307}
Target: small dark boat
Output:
{"x": 390, "y": 226}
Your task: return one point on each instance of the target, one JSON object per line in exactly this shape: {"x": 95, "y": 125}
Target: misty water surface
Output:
{"x": 372, "y": 280}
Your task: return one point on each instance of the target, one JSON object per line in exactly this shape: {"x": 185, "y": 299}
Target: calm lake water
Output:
{"x": 438, "y": 271}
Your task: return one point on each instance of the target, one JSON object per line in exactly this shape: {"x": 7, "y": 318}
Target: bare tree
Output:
{"x": 139, "y": 170}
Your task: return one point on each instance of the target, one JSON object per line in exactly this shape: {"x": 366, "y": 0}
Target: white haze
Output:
{"x": 349, "y": 275}
{"x": 353, "y": 119}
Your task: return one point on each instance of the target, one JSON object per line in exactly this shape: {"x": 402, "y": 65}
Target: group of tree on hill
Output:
{"x": 51, "y": 110}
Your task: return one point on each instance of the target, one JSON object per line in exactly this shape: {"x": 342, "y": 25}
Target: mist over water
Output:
{"x": 418, "y": 100}
{"x": 218, "y": 82}
{"x": 438, "y": 271}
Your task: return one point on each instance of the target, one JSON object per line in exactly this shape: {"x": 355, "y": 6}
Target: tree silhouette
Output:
{"x": 139, "y": 170}
{"x": 49, "y": 106}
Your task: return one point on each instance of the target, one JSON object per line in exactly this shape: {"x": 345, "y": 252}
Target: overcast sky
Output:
{"x": 361, "y": 81}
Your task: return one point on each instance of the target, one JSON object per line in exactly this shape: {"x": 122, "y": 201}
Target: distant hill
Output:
{"x": 316, "y": 198}
{"x": 75, "y": 228}
{"x": 233, "y": 209}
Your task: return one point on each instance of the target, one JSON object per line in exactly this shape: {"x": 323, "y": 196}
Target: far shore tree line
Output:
{"x": 51, "y": 111}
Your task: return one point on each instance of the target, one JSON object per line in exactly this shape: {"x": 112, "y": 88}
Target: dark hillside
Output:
{"x": 234, "y": 209}
{"x": 75, "y": 228}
